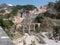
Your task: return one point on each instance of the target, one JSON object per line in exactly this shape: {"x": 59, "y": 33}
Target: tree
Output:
{"x": 29, "y": 7}
{"x": 7, "y": 16}
{"x": 57, "y": 15}
{"x": 48, "y": 14}
{"x": 39, "y": 18}
{"x": 57, "y": 6}
{"x": 1, "y": 20}
{"x": 7, "y": 23}
{"x": 56, "y": 30}
{"x": 19, "y": 7}
{"x": 14, "y": 10}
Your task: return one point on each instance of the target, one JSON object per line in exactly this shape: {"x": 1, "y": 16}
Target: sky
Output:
{"x": 25, "y": 2}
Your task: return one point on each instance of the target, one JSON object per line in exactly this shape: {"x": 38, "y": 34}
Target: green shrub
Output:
{"x": 7, "y": 23}
{"x": 39, "y": 18}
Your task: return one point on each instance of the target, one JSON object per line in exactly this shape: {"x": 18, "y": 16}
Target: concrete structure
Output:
{"x": 4, "y": 39}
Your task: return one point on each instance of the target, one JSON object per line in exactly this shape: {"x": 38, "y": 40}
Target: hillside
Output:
{"x": 38, "y": 26}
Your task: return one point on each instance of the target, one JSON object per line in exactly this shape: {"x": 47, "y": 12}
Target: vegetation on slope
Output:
{"x": 57, "y": 8}
{"x": 39, "y": 18}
